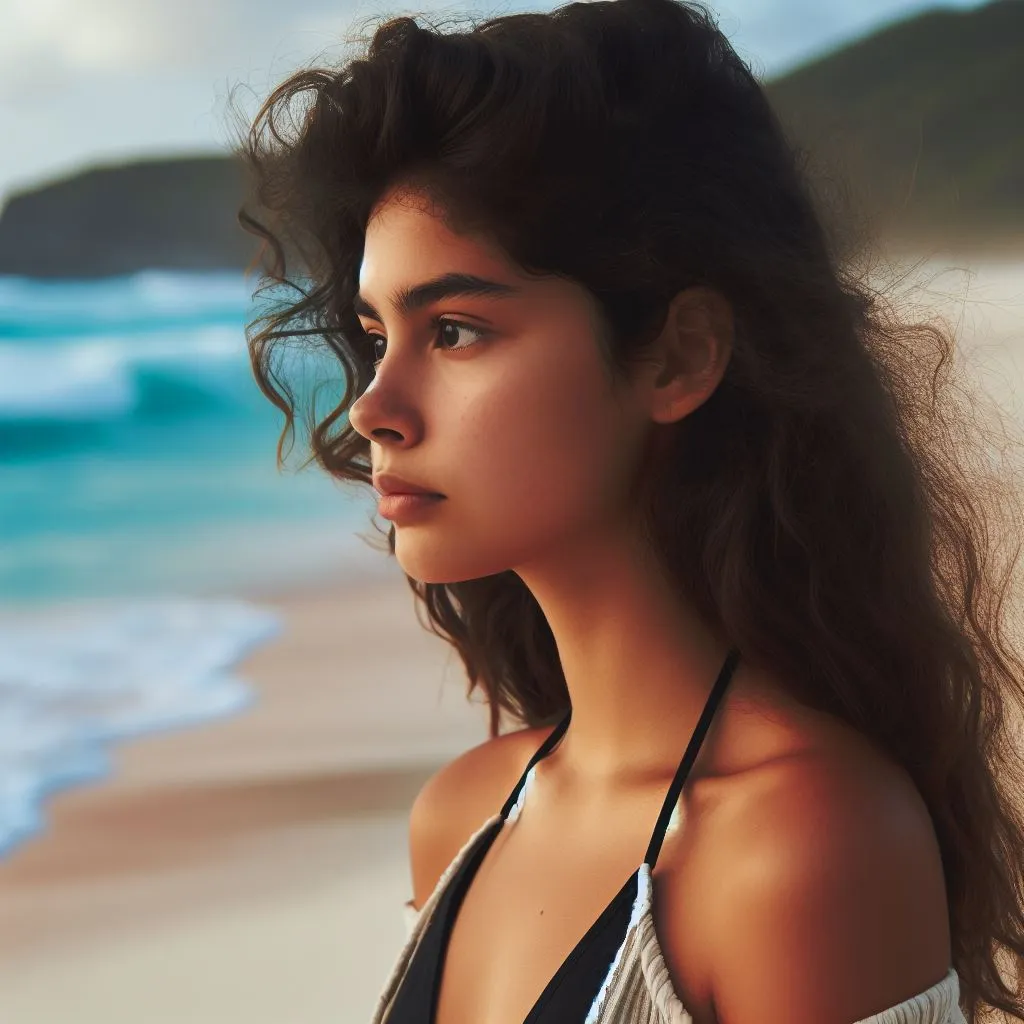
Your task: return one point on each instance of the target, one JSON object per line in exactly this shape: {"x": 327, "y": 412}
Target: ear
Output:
{"x": 690, "y": 355}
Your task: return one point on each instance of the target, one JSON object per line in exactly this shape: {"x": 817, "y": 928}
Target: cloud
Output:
{"x": 85, "y": 81}
{"x": 784, "y": 33}
{"x": 89, "y": 38}
{"x": 67, "y": 36}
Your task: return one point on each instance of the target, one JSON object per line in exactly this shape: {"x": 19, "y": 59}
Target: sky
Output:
{"x": 87, "y": 82}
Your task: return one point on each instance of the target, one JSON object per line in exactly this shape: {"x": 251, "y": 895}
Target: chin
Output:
{"x": 435, "y": 561}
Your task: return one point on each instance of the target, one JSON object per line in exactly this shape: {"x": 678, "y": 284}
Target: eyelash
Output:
{"x": 436, "y": 323}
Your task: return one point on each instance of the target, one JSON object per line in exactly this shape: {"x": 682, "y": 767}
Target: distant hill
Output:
{"x": 171, "y": 214}
{"x": 921, "y": 122}
{"x": 924, "y": 121}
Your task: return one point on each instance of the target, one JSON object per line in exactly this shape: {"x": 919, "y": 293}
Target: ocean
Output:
{"x": 139, "y": 495}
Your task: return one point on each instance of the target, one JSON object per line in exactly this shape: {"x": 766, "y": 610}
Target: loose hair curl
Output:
{"x": 831, "y": 507}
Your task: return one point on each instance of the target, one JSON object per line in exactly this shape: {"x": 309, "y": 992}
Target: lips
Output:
{"x": 390, "y": 483}
{"x": 406, "y": 508}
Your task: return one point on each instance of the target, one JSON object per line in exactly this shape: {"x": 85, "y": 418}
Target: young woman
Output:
{"x": 691, "y": 502}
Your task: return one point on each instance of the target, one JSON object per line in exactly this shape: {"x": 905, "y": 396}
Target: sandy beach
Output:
{"x": 251, "y": 869}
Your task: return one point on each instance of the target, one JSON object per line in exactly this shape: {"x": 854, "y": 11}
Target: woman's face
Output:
{"x": 519, "y": 425}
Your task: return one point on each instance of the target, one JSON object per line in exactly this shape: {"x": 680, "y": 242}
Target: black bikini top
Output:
{"x": 568, "y": 996}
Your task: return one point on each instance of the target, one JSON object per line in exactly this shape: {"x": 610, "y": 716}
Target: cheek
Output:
{"x": 535, "y": 453}
{"x": 539, "y": 449}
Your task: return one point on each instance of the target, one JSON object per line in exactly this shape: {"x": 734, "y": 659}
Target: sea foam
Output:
{"x": 74, "y": 682}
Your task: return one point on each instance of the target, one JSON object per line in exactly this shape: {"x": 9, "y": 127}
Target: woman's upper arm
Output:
{"x": 431, "y": 831}
{"x": 836, "y": 909}
{"x": 456, "y": 800}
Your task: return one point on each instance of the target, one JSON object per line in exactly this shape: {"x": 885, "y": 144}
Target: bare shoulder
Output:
{"x": 459, "y": 797}
{"x": 835, "y": 907}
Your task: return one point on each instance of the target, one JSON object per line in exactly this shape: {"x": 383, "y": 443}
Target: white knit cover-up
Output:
{"x": 637, "y": 988}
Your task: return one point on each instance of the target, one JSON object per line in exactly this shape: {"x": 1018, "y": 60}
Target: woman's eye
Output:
{"x": 379, "y": 342}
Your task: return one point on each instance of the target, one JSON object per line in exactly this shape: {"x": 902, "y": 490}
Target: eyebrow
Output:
{"x": 413, "y": 297}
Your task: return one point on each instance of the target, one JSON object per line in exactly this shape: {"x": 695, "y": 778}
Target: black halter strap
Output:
{"x": 692, "y": 749}
{"x": 542, "y": 751}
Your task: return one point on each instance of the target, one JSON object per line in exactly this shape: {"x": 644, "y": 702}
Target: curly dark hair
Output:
{"x": 833, "y": 507}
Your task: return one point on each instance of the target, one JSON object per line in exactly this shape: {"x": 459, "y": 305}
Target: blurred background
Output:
{"x": 216, "y": 703}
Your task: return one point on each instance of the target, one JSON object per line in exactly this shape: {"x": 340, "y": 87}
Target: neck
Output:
{"x": 639, "y": 663}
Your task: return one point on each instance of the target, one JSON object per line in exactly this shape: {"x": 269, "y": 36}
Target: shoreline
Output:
{"x": 213, "y": 855}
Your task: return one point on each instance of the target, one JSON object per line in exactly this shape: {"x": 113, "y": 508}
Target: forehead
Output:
{"x": 408, "y": 241}
{"x": 412, "y": 257}
{"x": 416, "y": 225}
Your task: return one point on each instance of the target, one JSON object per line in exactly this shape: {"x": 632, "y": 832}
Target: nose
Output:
{"x": 382, "y": 414}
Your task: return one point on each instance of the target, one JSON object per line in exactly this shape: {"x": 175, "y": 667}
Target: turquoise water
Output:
{"x": 138, "y": 492}
{"x": 134, "y": 443}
